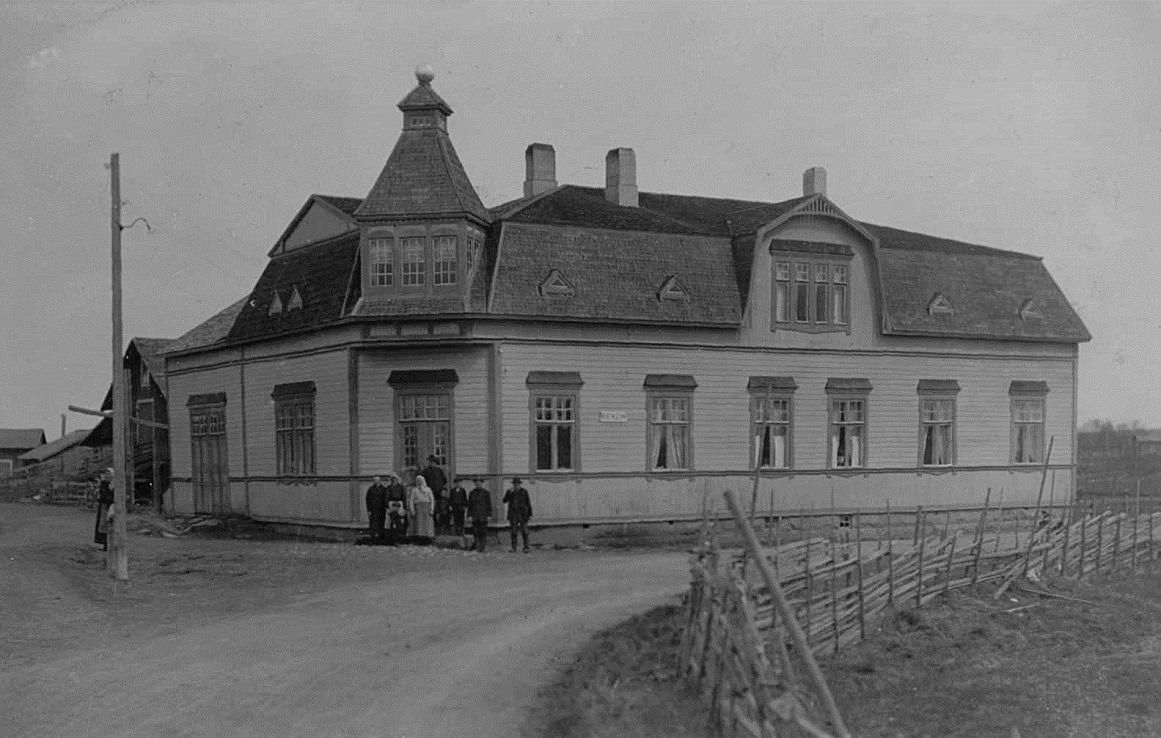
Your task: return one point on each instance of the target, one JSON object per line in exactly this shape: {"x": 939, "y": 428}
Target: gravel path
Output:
{"x": 443, "y": 644}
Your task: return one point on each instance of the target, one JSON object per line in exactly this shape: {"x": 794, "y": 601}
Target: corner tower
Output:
{"x": 422, "y": 225}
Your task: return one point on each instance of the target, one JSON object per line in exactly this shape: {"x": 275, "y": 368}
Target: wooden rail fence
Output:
{"x": 740, "y": 650}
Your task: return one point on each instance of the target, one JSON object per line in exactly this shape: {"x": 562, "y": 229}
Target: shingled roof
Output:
{"x": 988, "y": 290}
{"x": 20, "y": 439}
{"x": 52, "y": 448}
{"x": 616, "y": 276}
{"x": 320, "y": 273}
{"x": 211, "y": 331}
{"x": 423, "y": 175}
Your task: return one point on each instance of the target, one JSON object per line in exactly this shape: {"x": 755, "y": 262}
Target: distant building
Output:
{"x": 65, "y": 457}
{"x": 628, "y": 353}
{"x": 1147, "y": 443}
{"x": 14, "y": 442}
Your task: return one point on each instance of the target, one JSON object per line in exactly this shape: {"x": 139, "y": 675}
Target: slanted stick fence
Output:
{"x": 749, "y": 644}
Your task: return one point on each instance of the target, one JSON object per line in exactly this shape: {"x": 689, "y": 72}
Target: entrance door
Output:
{"x": 210, "y": 462}
{"x": 424, "y": 430}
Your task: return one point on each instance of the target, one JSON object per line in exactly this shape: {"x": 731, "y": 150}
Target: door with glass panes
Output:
{"x": 424, "y": 429}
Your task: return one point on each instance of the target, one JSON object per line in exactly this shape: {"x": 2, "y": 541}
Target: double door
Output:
{"x": 210, "y": 461}
{"x": 425, "y": 430}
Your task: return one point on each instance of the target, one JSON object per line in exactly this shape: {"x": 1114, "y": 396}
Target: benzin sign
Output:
{"x": 614, "y": 416}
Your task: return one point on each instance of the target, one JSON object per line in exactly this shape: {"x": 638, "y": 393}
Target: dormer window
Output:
{"x": 672, "y": 289}
{"x": 811, "y": 292}
{"x": 940, "y": 305}
{"x": 275, "y": 305}
{"x": 295, "y": 302}
{"x": 1029, "y": 311}
{"x": 556, "y": 285}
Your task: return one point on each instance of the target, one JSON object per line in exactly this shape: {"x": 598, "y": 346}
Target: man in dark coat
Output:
{"x": 519, "y": 512}
{"x": 377, "y": 511}
{"x": 397, "y": 509}
{"x": 458, "y": 505}
{"x": 437, "y": 480}
{"x": 480, "y": 508}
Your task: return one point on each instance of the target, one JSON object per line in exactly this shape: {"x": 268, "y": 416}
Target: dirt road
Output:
{"x": 441, "y": 644}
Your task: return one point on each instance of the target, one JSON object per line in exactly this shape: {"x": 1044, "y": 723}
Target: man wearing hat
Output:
{"x": 480, "y": 508}
{"x": 519, "y": 512}
{"x": 458, "y": 505}
{"x": 437, "y": 480}
{"x": 377, "y": 511}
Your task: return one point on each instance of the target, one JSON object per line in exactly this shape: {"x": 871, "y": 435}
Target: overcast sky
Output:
{"x": 1032, "y": 127}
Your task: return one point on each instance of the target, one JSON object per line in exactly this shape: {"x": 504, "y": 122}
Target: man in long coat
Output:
{"x": 458, "y": 505}
{"x": 480, "y": 508}
{"x": 437, "y": 480}
{"x": 377, "y": 511}
{"x": 519, "y": 512}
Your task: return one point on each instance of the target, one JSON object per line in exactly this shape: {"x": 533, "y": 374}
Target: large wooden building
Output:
{"x": 624, "y": 352}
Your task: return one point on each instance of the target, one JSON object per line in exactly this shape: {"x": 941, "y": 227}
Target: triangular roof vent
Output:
{"x": 275, "y": 305}
{"x": 295, "y": 302}
{"x": 940, "y": 305}
{"x": 1029, "y": 310}
{"x": 556, "y": 284}
{"x": 672, "y": 289}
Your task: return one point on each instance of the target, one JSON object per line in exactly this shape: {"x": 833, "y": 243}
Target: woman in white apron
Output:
{"x": 421, "y": 505}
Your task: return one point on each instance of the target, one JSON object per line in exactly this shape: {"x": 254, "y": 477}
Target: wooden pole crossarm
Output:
{"x": 109, "y": 414}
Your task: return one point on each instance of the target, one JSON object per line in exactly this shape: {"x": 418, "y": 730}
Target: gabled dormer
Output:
{"x": 422, "y": 225}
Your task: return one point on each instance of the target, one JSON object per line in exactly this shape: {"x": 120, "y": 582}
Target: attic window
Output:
{"x": 556, "y": 284}
{"x": 295, "y": 302}
{"x": 673, "y": 290}
{"x": 940, "y": 305}
{"x": 275, "y": 305}
{"x": 1029, "y": 310}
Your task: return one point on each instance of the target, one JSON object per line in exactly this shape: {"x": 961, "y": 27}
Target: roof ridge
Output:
{"x": 448, "y": 167}
{"x": 993, "y": 249}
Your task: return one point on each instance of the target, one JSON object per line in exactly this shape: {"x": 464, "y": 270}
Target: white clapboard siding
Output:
{"x": 328, "y": 371}
{"x": 470, "y": 399}
{"x": 613, "y": 378}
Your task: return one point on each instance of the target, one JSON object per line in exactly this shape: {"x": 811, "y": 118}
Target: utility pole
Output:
{"x": 118, "y": 559}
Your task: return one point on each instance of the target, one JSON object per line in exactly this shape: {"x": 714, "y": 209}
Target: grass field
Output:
{"x": 967, "y": 665}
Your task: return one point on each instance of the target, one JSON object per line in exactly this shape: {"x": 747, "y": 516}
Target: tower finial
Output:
{"x": 425, "y": 74}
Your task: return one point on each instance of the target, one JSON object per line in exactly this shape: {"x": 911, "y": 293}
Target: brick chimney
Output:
{"x": 814, "y": 181}
{"x": 539, "y": 169}
{"x": 621, "y": 177}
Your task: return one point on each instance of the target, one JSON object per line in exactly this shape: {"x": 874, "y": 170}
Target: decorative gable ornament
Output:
{"x": 556, "y": 284}
{"x": 1029, "y": 310}
{"x": 940, "y": 305}
{"x": 295, "y": 302}
{"x": 672, "y": 289}
{"x": 275, "y": 305}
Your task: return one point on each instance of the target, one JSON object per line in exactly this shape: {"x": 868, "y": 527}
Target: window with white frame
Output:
{"x": 414, "y": 252}
{"x": 381, "y": 252}
{"x": 294, "y": 429}
{"x": 444, "y": 271}
{"x": 771, "y": 414}
{"x": 1027, "y": 402}
{"x": 847, "y": 422}
{"x": 669, "y": 406}
{"x": 937, "y": 421}
{"x": 811, "y": 289}
{"x": 554, "y": 407}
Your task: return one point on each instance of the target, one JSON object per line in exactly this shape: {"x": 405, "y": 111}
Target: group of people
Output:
{"x": 430, "y": 507}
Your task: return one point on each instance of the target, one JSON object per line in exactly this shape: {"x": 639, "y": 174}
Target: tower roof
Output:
{"x": 423, "y": 176}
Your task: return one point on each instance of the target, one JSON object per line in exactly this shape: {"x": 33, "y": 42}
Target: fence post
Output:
{"x": 1083, "y": 544}
{"x": 859, "y": 558}
{"x": 1100, "y": 540}
{"x": 947, "y": 571}
{"x": 1116, "y": 542}
{"x": 980, "y": 538}
{"x": 1064, "y": 553}
{"x": 792, "y": 626}
{"x": 834, "y": 594}
{"x": 890, "y": 559}
{"x": 919, "y": 583}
